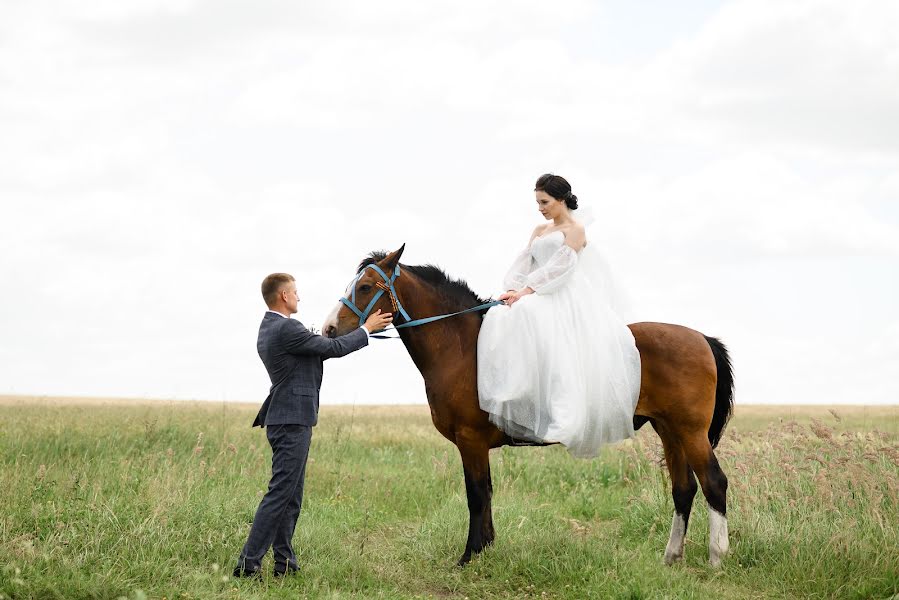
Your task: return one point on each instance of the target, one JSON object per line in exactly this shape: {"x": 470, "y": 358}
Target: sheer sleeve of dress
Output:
{"x": 555, "y": 273}
{"x": 517, "y": 276}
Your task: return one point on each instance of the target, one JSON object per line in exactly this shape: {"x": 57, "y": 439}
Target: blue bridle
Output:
{"x": 382, "y": 287}
{"x": 387, "y": 286}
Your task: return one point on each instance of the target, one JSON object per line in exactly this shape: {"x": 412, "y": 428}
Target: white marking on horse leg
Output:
{"x": 719, "y": 544}
{"x": 331, "y": 319}
{"x": 675, "y": 550}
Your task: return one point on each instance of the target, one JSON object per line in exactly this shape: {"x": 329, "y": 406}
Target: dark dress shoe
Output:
{"x": 282, "y": 570}
{"x": 249, "y": 573}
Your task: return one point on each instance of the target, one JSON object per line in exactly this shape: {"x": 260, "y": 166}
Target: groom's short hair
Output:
{"x": 271, "y": 287}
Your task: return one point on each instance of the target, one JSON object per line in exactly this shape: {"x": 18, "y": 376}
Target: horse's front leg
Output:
{"x": 475, "y": 453}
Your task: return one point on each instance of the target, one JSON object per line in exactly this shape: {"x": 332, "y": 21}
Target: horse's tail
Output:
{"x": 724, "y": 392}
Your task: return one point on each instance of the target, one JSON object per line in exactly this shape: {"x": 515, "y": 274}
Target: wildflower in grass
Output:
{"x": 821, "y": 430}
{"x": 578, "y": 527}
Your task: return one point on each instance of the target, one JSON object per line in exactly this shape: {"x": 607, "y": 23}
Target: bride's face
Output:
{"x": 548, "y": 206}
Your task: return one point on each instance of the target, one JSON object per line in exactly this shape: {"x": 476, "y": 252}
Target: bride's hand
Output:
{"x": 511, "y": 297}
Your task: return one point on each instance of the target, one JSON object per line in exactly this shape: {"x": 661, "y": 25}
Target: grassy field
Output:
{"x": 154, "y": 500}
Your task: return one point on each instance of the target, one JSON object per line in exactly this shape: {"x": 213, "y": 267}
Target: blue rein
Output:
{"x": 388, "y": 286}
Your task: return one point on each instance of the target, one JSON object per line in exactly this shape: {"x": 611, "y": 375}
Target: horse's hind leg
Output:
{"x": 479, "y": 490}
{"x": 702, "y": 459}
{"x": 683, "y": 489}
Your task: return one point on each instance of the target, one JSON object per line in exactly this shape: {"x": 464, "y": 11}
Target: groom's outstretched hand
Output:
{"x": 378, "y": 321}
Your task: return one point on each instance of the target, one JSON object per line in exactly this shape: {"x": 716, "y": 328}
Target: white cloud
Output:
{"x": 808, "y": 73}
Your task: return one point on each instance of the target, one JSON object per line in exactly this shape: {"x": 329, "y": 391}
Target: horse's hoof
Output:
{"x": 670, "y": 559}
{"x": 466, "y": 558}
{"x": 717, "y": 552}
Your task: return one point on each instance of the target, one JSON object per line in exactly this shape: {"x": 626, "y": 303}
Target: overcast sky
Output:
{"x": 159, "y": 157}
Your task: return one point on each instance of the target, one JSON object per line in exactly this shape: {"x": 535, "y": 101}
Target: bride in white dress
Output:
{"x": 557, "y": 362}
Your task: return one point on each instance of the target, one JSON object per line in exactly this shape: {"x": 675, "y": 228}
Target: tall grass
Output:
{"x": 155, "y": 501}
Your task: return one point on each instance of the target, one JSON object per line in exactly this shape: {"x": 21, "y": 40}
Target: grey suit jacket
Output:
{"x": 293, "y": 357}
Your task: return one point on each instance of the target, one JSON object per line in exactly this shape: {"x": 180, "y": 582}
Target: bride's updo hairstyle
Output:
{"x": 557, "y": 187}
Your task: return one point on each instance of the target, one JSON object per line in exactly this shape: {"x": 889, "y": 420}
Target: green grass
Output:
{"x": 155, "y": 500}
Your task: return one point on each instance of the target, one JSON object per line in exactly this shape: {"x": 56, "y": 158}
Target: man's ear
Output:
{"x": 392, "y": 260}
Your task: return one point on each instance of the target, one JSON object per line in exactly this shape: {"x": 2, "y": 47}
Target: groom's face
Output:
{"x": 290, "y": 296}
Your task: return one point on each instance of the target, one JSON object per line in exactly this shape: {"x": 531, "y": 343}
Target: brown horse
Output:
{"x": 686, "y": 391}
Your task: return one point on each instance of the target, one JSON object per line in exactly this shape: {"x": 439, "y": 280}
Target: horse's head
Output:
{"x": 369, "y": 284}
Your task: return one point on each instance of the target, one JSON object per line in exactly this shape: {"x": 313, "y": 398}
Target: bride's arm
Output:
{"x": 576, "y": 237}
{"x": 555, "y": 273}
{"x": 516, "y": 276}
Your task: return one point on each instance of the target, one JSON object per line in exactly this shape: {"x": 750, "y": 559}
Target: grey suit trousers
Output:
{"x": 276, "y": 517}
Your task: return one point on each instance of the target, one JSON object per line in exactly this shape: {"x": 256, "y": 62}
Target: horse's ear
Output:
{"x": 392, "y": 260}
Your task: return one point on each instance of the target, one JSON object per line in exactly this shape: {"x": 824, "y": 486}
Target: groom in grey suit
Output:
{"x": 293, "y": 357}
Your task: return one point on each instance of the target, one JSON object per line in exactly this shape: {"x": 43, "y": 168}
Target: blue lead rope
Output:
{"x": 484, "y": 306}
{"x": 388, "y": 287}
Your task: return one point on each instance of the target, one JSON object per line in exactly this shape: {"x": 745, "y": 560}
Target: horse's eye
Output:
{"x": 365, "y": 288}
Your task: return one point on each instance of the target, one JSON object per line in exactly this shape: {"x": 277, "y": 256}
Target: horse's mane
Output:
{"x": 455, "y": 291}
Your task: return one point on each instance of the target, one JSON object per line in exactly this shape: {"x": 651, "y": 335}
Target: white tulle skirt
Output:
{"x": 560, "y": 367}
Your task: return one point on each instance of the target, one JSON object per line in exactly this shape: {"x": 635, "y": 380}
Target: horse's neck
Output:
{"x": 440, "y": 343}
